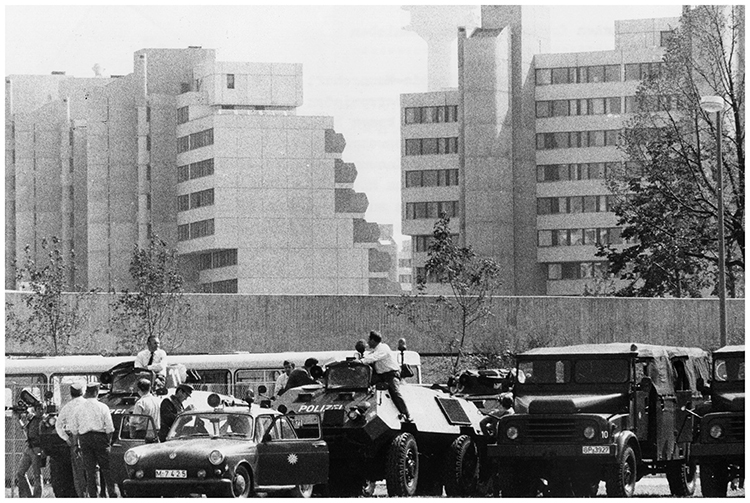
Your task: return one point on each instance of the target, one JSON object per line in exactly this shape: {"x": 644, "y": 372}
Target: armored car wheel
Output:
{"x": 460, "y": 468}
{"x": 621, "y": 477}
{"x": 402, "y": 466}
{"x": 681, "y": 478}
{"x": 714, "y": 480}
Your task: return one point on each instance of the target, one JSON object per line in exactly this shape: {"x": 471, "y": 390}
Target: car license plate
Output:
{"x": 171, "y": 474}
{"x": 596, "y": 449}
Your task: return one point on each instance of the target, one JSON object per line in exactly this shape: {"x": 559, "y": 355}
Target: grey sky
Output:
{"x": 356, "y": 60}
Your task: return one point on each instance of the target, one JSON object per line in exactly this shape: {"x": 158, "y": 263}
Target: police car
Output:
{"x": 229, "y": 452}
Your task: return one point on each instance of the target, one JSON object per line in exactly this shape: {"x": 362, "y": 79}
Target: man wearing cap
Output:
{"x": 65, "y": 431}
{"x": 92, "y": 429}
{"x": 171, "y": 407}
{"x": 147, "y": 405}
{"x": 386, "y": 369}
{"x": 153, "y": 357}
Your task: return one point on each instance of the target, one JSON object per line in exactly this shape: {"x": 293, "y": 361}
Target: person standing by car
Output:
{"x": 283, "y": 377}
{"x": 153, "y": 357}
{"x": 300, "y": 377}
{"x": 147, "y": 405}
{"x": 171, "y": 407}
{"x": 386, "y": 369}
{"x": 64, "y": 429}
{"x": 92, "y": 429}
{"x": 33, "y": 456}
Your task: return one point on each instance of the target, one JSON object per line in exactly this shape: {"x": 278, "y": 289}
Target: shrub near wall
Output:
{"x": 229, "y": 323}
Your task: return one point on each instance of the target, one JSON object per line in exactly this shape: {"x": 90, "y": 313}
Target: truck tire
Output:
{"x": 460, "y": 468}
{"x": 622, "y": 476}
{"x": 681, "y": 478}
{"x": 402, "y": 466}
{"x": 714, "y": 480}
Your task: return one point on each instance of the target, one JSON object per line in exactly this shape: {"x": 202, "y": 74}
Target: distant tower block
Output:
{"x": 437, "y": 25}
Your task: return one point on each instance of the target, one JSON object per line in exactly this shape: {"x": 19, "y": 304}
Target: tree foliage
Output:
{"x": 472, "y": 281}
{"x": 157, "y": 301}
{"x": 666, "y": 194}
{"x": 52, "y": 320}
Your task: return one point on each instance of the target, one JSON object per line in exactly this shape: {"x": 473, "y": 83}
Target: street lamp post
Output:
{"x": 715, "y": 104}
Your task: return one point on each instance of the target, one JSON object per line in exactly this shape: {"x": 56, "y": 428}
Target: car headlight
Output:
{"x": 511, "y": 432}
{"x": 216, "y": 457}
{"x": 716, "y": 431}
{"x": 131, "y": 457}
{"x": 589, "y": 432}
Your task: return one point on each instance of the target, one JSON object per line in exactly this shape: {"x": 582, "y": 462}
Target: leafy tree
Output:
{"x": 666, "y": 195}
{"x": 52, "y": 319}
{"x": 157, "y": 302}
{"x": 472, "y": 281}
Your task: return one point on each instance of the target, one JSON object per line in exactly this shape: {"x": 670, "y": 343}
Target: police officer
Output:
{"x": 33, "y": 457}
{"x": 171, "y": 407}
{"x": 92, "y": 429}
{"x": 64, "y": 429}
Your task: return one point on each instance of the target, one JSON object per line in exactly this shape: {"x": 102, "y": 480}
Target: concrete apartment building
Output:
{"x": 516, "y": 155}
{"x": 211, "y": 157}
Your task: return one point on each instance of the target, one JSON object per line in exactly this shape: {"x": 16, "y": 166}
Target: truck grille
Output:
{"x": 551, "y": 430}
{"x": 737, "y": 428}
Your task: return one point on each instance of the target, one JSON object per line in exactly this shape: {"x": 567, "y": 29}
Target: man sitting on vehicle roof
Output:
{"x": 153, "y": 357}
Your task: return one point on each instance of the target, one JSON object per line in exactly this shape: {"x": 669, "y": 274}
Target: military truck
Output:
{"x": 612, "y": 412}
{"x": 368, "y": 442}
{"x": 719, "y": 446}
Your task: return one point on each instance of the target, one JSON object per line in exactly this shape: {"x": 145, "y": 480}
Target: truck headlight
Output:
{"x": 511, "y": 432}
{"x": 716, "y": 431}
{"x": 589, "y": 432}
{"x": 131, "y": 457}
{"x": 216, "y": 457}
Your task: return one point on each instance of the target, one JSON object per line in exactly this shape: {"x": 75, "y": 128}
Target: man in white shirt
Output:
{"x": 64, "y": 429}
{"x": 386, "y": 369}
{"x": 153, "y": 357}
{"x": 147, "y": 405}
{"x": 283, "y": 377}
{"x": 92, "y": 430}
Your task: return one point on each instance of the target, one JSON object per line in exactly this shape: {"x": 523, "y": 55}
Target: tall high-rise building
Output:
{"x": 208, "y": 155}
{"x": 517, "y": 154}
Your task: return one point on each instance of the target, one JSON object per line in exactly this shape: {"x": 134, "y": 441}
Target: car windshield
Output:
{"x": 729, "y": 369}
{"x": 126, "y": 383}
{"x": 212, "y": 424}
{"x": 581, "y": 371}
{"x": 355, "y": 376}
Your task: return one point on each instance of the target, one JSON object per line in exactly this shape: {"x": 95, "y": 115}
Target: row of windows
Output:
{"x": 404, "y": 262}
{"x": 226, "y": 286}
{"x": 580, "y": 171}
{"x": 428, "y": 115}
{"x": 195, "y": 170}
{"x": 183, "y": 115}
{"x": 432, "y": 178}
{"x": 597, "y": 73}
{"x": 217, "y": 259}
{"x": 195, "y": 140}
{"x": 580, "y": 237}
{"x": 195, "y": 200}
{"x": 195, "y": 230}
{"x": 431, "y": 146}
{"x": 573, "y": 204}
{"x": 590, "y": 106}
{"x": 577, "y": 139}
{"x": 422, "y": 242}
{"x": 575, "y": 270}
{"x": 432, "y": 209}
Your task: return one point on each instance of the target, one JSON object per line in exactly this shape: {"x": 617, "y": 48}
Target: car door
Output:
{"x": 284, "y": 459}
{"x": 126, "y": 437}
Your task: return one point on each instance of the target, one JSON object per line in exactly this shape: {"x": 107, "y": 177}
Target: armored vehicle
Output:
{"x": 368, "y": 442}
{"x": 719, "y": 445}
{"x": 612, "y": 412}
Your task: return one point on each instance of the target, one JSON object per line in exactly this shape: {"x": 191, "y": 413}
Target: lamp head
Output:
{"x": 712, "y": 104}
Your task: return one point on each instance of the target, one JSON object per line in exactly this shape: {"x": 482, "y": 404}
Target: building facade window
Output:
{"x": 183, "y": 115}
{"x": 195, "y": 200}
{"x": 148, "y": 114}
{"x": 590, "y": 106}
{"x": 217, "y": 259}
{"x": 195, "y": 140}
{"x": 195, "y": 230}
{"x": 404, "y": 278}
{"x": 642, "y": 71}
{"x": 431, "y": 178}
{"x": 665, "y": 37}
{"x": 148, "y": 201}
{"x": 230, "y": 81}
{"x": 422, "y": 275}
{"x": 148, "y": 172}
{"x": 404, "y": 262}
{"x": 574, "y": 172}
{"x": 431, "y": 146}
{"x": 577, "y": 139}
{"x": 225, "y": 286}
{"x": 427, "y": 115}
{"x": 578, "y": 75}
{"x": 432, "y": 209}
{"x": 579, "y": 237}
{"x": 573, "y": 204}
{"x": 575, "y": 270}
{"x": 422, "y": 242}
{"x": 195, "y": 170}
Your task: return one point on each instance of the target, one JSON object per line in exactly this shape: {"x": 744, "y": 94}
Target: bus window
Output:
{"x": 213, "y": 380}
{"x": 61, "y": 385}
{"x": 251, "y": 379}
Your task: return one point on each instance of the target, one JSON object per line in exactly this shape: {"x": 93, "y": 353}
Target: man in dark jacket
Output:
{"x": 171, "y": 407}
{"x": 300, "y": 377}
{"x": 33, "y": 457}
